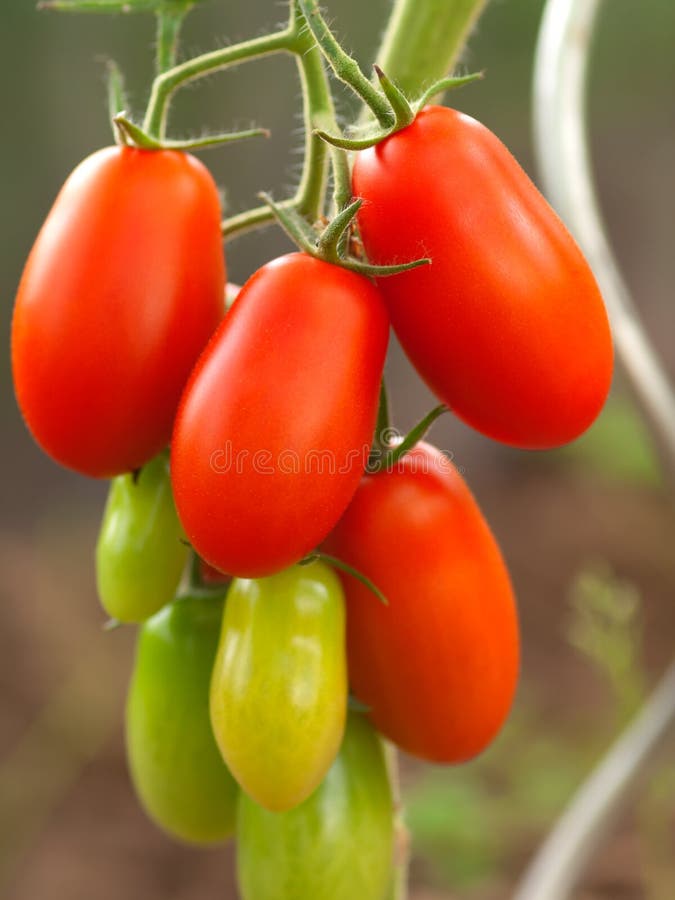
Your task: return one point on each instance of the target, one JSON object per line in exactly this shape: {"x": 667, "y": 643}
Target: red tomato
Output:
{"x": 438, "y": 666}
{"x": 122, "y": 290}
{"x": 275, "y": 424}
{"x": 507, "y": 325}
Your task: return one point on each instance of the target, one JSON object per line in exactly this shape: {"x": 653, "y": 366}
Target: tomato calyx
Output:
{"x": 329, "y": 245}
{"x": 392, "y": 110}
{"x": 133, "y": 135}
{"x": 405, "y": 111}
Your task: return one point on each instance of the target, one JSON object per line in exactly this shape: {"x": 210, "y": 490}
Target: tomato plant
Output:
{"x": 141, "y": 550}
{"x": 248, "y": 429}
{"x": 175, "y": 764}
{"x": 507, "y": 326}
{"x": 437, "y": 666}
{"x": 337, "y": 845}
{"x": 275, "y": 424}
{"x": 279, "y": 688}
{"x": 121, "y": 291}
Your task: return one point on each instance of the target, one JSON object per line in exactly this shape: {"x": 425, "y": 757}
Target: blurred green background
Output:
{"x": 571, "y": 523}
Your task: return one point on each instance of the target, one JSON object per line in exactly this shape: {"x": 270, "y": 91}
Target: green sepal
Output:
{"x": 345, "y": 567}
{"x": 399, "y": 102}
{"x": 372, "y": 271}
{"x": 330, "y": 240}
{"x": 144, "y": 141}
{"x": 292, "y": 224}
{"x": 328, "y": 245}
{"x": 393, "y": 454}
{"x": 446, "y": 84}
{"x": 354, "y": 144}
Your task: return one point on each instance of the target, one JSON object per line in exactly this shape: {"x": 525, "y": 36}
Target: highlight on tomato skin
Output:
{"x": 275, "y": 424}
{"x": 438, "y": 666}
{"x": 507, "y": 325}
{"x": 121, "y": 292}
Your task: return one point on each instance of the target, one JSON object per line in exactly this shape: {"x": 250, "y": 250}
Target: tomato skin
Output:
{"x": 121, "y": 291}
{"x": 438, "y": 666}
{"x": 337, "y": 845}
{"x": 140, "y": 554}
{"x": 507, "y": 325}
{"x": 279, "y": 685}
{"x": 177, "y": 770}
{"x": 274, "y": 427}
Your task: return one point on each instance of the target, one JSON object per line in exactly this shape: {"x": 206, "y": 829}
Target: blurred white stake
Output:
{"x": 564, "y": 162}
{"x": 560, "y": 77}
{"x": 561, "y": 861}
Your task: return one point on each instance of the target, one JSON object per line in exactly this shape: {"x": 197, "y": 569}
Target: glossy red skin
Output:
{"x": 507, "y": 325}
{"x": 121, "y": 292}
{"x": 438, "y": 666}
{"x": 294, "y": 368}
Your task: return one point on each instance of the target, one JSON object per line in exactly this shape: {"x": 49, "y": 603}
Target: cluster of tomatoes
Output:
{"x": 120, "y": 348}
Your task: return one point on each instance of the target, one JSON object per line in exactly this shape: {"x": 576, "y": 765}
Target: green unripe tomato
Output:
{"x": 176, "y": 767}
{"x": 140, "y": 555}
{"x": 279, "y": 686}
{"x": 337, "y": 845}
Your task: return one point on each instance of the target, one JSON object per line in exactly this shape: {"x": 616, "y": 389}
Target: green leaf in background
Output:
{"x": 618, "y": 446}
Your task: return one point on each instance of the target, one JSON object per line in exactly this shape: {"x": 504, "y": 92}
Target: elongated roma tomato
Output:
{"x": 279, "y": 686}
{"x": 176, "y": 767}
{"x": 274, "y": 428}
{"x": 121, "y": 291}
{"x": 438, "y": 666}
{"x": 140, "y": 554}
{"x": 506, "y": 325}
{"x": 337, "y": 845}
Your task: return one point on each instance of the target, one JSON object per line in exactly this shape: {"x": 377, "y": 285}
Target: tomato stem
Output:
{"x": 319, "y": 112}
{"x": 383, "y": 424}
{"x": 169, "y": 22}
{"x": 423, "y": 40}
{"x": 193, "y": 69}
{"x": 344, "y": 66}
{"x": 98, "y": 6}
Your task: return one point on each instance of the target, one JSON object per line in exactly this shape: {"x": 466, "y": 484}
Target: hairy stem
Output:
{"x": 193, "y": 69}
{"x": 169, "y": 23}
{"x": 424, "y": 39}
{"x": 344, "y": 66}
